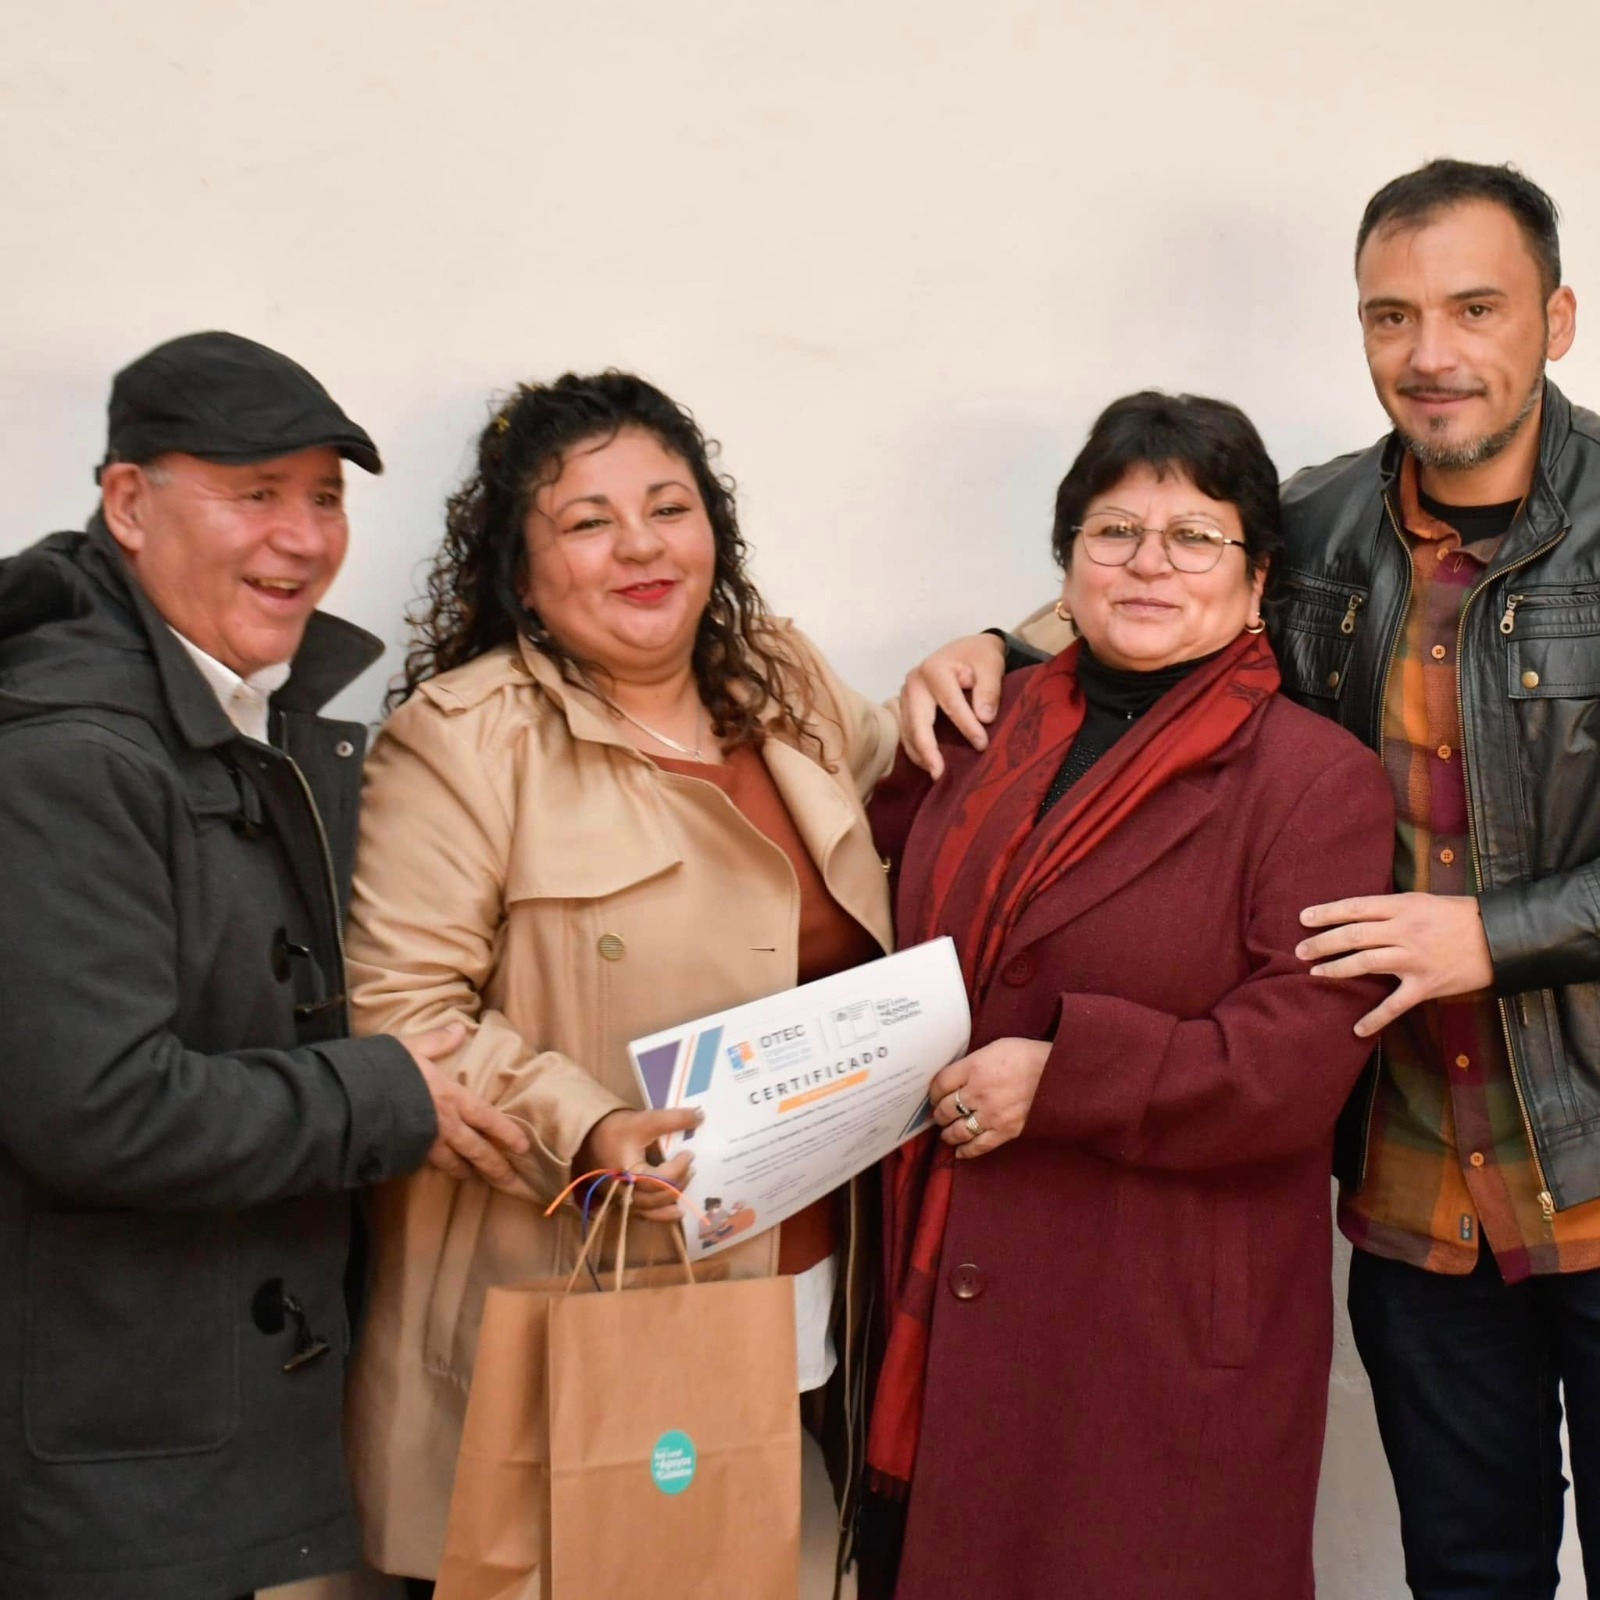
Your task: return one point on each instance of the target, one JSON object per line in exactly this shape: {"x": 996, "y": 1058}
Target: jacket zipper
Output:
{"x": 325, "y": 850}
{"x": 1383, "y": 700}
{"x": 1348, "y": 625}
{"x": 1547, "y": 1204}
{"x": 329, "y": 881}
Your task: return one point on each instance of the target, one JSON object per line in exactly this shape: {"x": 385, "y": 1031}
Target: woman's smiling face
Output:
{"x": 621, "y": 556}
{"x": 1148, "y": 615}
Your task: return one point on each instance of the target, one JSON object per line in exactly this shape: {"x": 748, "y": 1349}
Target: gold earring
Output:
{"x": 1258, "y": 626}
{"x": 1062, "y": 614}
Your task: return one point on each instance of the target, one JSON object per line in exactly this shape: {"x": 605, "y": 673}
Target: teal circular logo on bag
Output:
{"x": 672, "y": 1462}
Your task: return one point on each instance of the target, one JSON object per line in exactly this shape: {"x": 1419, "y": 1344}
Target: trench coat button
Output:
{"x": 611, "y": 947}
{"x": 1530, "y": 680}
{"x": 1017, "y": 972}
{"x": 344, "y": 749}
{"x": 967, "y": 1281}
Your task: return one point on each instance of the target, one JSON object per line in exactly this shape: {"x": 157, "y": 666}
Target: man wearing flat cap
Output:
{"x": 182, "y": 1114}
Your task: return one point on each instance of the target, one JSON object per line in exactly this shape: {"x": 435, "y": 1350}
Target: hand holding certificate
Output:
{"x": 803, "y": 1090}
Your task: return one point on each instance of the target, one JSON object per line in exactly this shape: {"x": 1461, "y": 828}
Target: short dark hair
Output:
{"x": 1212, "y": 443}
{"x": 1417, "y": 197}
{"x": 474, "y": 598}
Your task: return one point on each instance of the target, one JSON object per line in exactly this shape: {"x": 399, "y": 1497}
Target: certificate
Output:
{"x": 803, "y": 1090}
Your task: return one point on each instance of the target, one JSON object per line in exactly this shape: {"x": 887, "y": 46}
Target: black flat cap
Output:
{"x": 227, "y": 399}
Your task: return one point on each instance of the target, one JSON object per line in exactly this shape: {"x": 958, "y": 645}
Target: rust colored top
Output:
{"x": 830, "y": 941}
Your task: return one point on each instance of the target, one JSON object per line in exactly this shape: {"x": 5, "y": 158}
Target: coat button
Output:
{"x": 967, "y": 1281}
{"x": 611, "y": 947}
{"x": 1530, "y": 680}
{"x": 1333, "y": 680}
{"x": 1018, "y": 972}
{"x": 344, "y": 749}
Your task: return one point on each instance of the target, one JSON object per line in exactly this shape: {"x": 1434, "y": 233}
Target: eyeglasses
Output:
{"x": 1111, "y": 540}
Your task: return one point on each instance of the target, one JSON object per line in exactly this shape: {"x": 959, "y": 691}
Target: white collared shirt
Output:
{"x": 246, "y": 701}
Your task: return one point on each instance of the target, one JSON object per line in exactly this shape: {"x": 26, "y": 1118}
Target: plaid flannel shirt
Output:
{"x": 1449, "y": 1154}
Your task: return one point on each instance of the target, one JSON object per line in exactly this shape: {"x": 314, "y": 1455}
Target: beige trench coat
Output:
{"x": 525, "y": 871}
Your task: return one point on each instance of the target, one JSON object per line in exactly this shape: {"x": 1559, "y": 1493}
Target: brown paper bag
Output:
{"x": 621, "y": 1439}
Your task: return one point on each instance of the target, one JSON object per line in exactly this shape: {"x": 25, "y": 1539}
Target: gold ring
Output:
{"x": 971, "y": 1124}
{"x": 962, "y": 1108}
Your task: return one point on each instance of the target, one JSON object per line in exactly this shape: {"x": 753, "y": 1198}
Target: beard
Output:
{"x": 1474, "y": 452}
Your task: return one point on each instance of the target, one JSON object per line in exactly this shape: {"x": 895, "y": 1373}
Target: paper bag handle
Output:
{"x": 593, "y": 1232}
{"x": 622, "y": 1239}
{"x": 597, "y": 1227}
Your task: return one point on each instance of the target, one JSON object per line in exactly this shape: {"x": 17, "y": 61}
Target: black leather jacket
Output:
{"x": 1529, "y": 676}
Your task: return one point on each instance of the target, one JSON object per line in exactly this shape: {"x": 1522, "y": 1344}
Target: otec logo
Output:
{"x": 672, "y": 1462}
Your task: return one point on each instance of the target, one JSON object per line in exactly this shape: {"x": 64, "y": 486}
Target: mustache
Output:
{"x": 1437, "y": 391}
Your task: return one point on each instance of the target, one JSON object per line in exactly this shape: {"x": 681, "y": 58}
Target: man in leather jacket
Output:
{"x": 183, "y": 1115}
{"x": 1440, "y": 597}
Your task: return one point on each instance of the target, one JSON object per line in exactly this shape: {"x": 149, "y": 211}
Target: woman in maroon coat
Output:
{"x": 1109, "y": 1279}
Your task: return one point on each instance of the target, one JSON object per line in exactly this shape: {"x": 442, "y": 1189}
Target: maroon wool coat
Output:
{"x": 1127, "y": 1385}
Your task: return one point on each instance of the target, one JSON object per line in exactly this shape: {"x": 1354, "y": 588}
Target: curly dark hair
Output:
{"x": 474, "y": 601}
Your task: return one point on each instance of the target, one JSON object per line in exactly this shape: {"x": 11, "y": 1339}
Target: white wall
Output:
{"x": 895, "y": 254}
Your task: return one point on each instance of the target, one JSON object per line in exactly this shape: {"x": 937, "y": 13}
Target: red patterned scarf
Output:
{"x": 992, "y": 855}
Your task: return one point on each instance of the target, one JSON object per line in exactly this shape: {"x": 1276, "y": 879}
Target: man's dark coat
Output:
{"x": 181, "y": 1114}
{"x": 1529, "y": 676}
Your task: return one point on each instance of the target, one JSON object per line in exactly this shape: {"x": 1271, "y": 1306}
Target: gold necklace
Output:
{"x": 659, "y": 737}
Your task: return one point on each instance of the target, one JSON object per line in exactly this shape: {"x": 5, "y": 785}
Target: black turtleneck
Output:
{"x": 1116, "y": 698}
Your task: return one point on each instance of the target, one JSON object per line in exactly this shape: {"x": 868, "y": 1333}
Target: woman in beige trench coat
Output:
{"x": 615, "y": 796}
